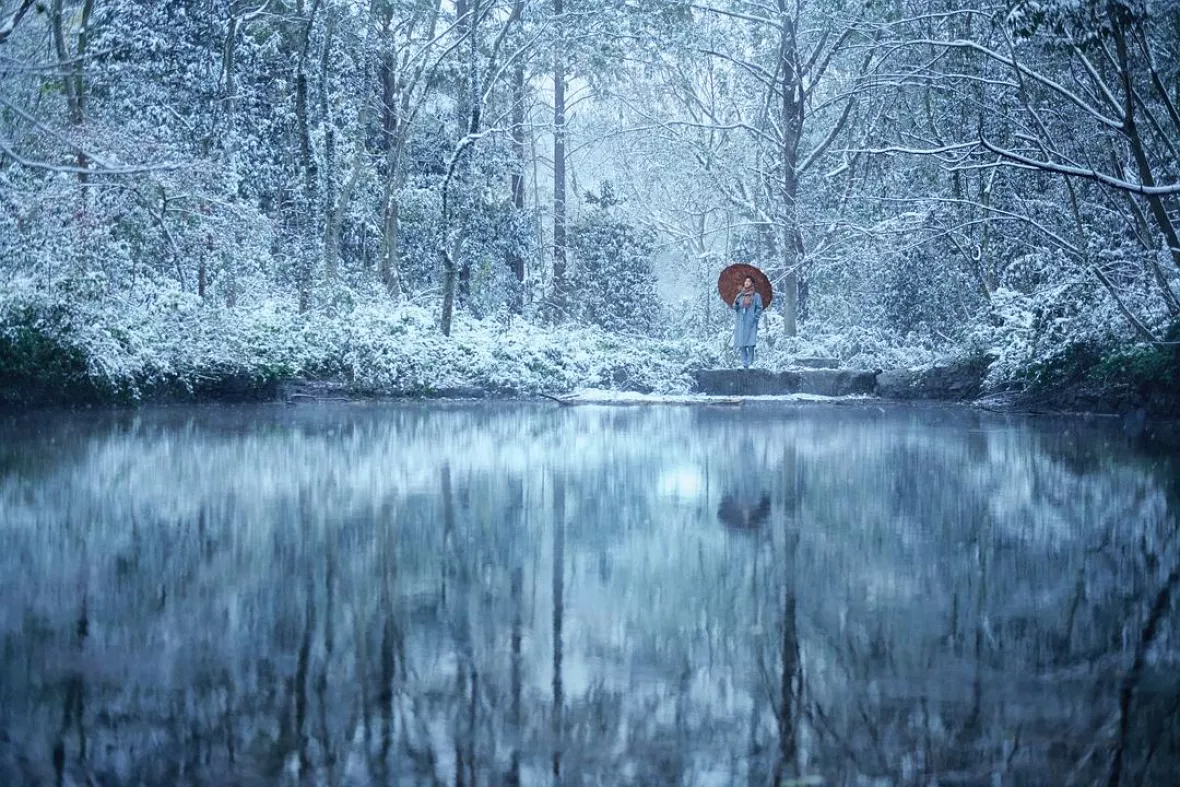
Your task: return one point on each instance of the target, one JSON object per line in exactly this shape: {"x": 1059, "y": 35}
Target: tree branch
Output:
{"x": 1036, "y": 76}
{"x": 762, "y": 20}
{"x": 1139, "y": 327}
{"x": 8, "y": 25}
{"x": 1079, "y": 172}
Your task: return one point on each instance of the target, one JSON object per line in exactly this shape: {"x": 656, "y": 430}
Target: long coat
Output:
{"x": 745, "y": 329}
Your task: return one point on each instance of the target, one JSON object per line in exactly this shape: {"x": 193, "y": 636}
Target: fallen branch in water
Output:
{"x": 624, "y": 401}
{"x": 318, "y": 398}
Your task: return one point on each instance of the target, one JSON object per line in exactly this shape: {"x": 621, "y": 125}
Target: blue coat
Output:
{"x": 745, "y": 329}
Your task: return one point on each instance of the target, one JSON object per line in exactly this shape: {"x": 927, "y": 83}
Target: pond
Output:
{"x": 518, "y": 593}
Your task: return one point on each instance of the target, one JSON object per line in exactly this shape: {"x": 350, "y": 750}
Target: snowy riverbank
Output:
{"x": 70, "y": 348}
{"x": 168, "y": 348}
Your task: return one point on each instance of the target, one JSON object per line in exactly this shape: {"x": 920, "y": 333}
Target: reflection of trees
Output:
{"x": 1006, "y": 668}
{"x": 996, "y": 609}
{"x": 558, "y": 728}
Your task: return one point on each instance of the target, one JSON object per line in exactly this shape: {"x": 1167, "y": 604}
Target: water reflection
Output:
{"x": 744, "y": 513}
{"x": 428, "y": 594}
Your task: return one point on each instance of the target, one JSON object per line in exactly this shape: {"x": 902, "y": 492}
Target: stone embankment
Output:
{"x": 957, "y": 381}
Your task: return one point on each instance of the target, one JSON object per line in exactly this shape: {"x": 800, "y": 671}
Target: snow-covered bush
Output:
{"x": 613, "y": 279}
{"x": 157, "y": 339}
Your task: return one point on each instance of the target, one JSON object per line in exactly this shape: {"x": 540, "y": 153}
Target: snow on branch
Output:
{"x": 902, "y": 149}
{"x": 101, "y": 169}
{"x": 758, "y": 72}
{"x": 1057, "y": 87}
{"x": 762, "y": 20}
{"x": 717, "y": 124}
{"x": 9, "y": 23}
{"x": 1080, "y": 172}
{"x": 999, "y": 213}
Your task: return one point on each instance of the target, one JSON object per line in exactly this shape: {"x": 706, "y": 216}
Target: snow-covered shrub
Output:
{"x": 39, "y": 349}
{"x": 613, "y": 282}
{"x": 1053, "y": 322}
{"x": 158, "y": 339}
{"x": 855, "y": 347}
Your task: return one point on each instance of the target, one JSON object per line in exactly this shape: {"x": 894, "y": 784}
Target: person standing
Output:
{"x": 748, "y": 309}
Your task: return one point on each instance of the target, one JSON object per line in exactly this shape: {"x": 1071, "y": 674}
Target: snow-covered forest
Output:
{"x": 527, "y": 195}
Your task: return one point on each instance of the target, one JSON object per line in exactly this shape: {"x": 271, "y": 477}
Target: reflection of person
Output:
{"x": 743, "y": 513}
{"x": 748, "y": 306}
{"x": 745, "y": 500}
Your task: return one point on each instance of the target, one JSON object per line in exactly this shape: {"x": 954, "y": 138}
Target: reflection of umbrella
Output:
{"x": 744, "y": 515}
{"x": 729, "y": 283}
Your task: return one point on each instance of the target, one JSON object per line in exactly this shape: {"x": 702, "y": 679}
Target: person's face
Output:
{"x": 748, "y": 283}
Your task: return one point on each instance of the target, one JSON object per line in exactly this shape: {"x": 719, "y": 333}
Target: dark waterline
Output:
{"x": 368, "y": 594}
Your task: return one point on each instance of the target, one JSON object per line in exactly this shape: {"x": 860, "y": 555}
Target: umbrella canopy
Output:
{"x": 729, "y": 283}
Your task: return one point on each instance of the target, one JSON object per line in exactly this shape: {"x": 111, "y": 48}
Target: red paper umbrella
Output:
{"x": 729, "y": 283}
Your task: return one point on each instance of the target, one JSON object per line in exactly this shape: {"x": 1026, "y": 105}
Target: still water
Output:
{"x": 496, "y": 594}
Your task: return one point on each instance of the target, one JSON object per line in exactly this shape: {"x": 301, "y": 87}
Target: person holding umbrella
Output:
{"x": 747, "y": 291}
{"x": 748, "y": 309}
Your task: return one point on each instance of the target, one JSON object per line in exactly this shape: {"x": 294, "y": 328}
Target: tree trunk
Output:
{"x": 306, "y": 163}
{"x": 450, "y": 277}
{"x": 1159, "y": 210}
{"x": 465, "y": 13}
{"x": 332, "y": 227}
{"x": 791, "y": 120}
{"x": 559, "y": 130}
{"x": 471, "y": 120}
{"x": 229, "y": 53}
{"x": 73, "y": 79}
{"x": 387, "y": 268}
{"x": 452, "y": 243}
{"x": 331, "y": 202}
{"x": 515, "y": 253}
{"x": 73, "y": 82}
{"x": 457, "y": 272}
{"x": 791, "y": 298}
